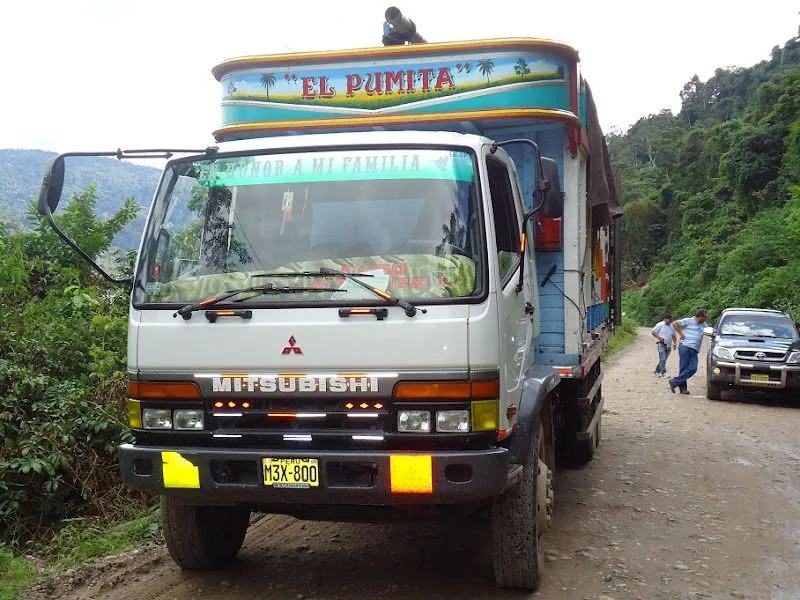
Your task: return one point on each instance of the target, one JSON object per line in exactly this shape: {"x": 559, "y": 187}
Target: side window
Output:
{"x": 505, "y": 217}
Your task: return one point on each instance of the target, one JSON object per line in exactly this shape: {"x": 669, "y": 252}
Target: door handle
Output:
{"x": 529, "y": 308}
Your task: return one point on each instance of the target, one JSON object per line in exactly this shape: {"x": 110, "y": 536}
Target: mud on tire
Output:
{"x": 203, "y": 537}
{"x": 517, "y": 551}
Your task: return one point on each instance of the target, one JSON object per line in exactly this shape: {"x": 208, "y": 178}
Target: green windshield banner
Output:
{"x": 345, "y": 165}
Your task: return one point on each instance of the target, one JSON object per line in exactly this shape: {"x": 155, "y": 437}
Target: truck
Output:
{"x": 381, "y": 293}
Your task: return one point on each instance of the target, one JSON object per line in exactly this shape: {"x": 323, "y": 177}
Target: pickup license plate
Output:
{"x": 760, "y": 377}
{"x": 300, "y": 473}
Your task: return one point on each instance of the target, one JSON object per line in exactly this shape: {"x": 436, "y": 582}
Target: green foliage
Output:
{"x": 623, "y": 336}
{"x": 16, "y": 573}
{"x": 62, "y": 382}
{"x": 78, "y": 541}
{"x": 709, "y": 208}
{"x": 81, "y": 539}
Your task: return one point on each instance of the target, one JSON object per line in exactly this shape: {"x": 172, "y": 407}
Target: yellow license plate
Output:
{"x": 291, "y": 472}
{"x": 759, "y": 377}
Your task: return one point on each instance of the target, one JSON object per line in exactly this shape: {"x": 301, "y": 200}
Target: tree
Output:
{"x": 267, "y": 81}
{"x": 521, "y": 68}
{"x": 79, "y": 221}
{"x": 486, "y": 66}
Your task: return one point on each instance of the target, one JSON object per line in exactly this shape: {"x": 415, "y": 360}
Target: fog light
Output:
{"x": 186, "y": 419}
{"x": 485, "y": 415}
{"x": 716, "y": 370}
{"x": 452, "y": 421}
{"x": 157, "y": 418}
{"x": 414, "y": 421}
{"x": 134, "y": 413}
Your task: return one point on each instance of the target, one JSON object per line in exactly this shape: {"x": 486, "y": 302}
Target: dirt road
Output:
{"x": 686, "y": 498}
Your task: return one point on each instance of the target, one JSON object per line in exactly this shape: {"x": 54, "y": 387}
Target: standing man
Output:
{"x": 690, "y": 332}
{"x": 665, "y": 335}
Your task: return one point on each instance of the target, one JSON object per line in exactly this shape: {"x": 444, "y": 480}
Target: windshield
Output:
{"x": 408, "y": 218}
{"x": 758, "y": 326}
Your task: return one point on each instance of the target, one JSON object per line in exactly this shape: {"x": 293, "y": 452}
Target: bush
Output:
{"x": 62, "y": 379}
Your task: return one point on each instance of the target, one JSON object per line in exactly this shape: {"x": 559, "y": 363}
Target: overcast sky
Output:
{"x": 102, "y": 74}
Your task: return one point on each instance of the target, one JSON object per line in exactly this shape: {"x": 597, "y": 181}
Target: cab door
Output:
{"x": 515, "y": 308}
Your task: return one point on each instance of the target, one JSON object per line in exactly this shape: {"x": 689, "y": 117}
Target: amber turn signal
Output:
{"x": 164, "y": 390}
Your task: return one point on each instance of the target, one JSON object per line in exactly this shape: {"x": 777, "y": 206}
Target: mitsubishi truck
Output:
{"x": 381, "y": 292}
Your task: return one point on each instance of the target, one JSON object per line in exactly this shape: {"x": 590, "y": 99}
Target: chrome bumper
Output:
{"x": 746, "y": 369}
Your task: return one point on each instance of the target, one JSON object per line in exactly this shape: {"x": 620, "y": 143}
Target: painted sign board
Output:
{"x": 384, "y": 86}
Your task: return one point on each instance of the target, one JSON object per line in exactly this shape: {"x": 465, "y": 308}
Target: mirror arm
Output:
{"x": 67, "y": 240}
{"x": 48, "y": 183}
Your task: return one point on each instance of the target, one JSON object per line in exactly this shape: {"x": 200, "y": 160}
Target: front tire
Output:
{"x": 713, "y": 390}
{"x": 519, "y": 519}
{"x": 203, "y": 537}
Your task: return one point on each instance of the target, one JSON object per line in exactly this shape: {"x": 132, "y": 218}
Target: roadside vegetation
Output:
{"x": 62, "y": 394}
{"x": 76, "y": 542}
{"x": 623, "y": 336}
{"x": 711, "y": 196}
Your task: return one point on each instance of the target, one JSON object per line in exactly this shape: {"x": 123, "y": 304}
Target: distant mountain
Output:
{"x": 21, "y": 175}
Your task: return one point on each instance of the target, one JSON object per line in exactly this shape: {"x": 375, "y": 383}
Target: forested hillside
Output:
{"x": 21, "y": 175}
{"x": 712, "y": 195}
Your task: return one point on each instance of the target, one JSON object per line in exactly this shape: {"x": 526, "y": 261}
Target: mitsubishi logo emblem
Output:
{"x": 292, "y": 348}
{"x": 760, "y": 355}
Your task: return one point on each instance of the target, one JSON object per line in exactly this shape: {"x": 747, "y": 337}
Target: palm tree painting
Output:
{"x": 521, "y": 68}
{"x": 232, "y": 89}
{"x": 267, "y": 81}
{"x": 486, "y": 66}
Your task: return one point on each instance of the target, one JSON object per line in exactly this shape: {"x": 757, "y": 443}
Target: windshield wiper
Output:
{"x": 409, "y": 308}
{"x": 258, "y": 290}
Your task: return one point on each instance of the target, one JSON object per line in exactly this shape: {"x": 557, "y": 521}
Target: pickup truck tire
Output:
{"x": 517, "y": 552}
{"x": 713, "y": 390}
{"x": 203, "y": 537}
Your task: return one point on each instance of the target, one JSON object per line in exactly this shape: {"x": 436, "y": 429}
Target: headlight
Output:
{"x": 414, "y": 421}
{"x": 723, "y": 353}
{"x": 157, "y": 418}
{"x": 794, "y": 357}
{"x": 456, "y": 421}
{"x": 188, "y": 419}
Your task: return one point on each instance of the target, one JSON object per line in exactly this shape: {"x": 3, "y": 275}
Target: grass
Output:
{"x": 16, "y": 573}
{"x": 624, "y": 336}
{"x": 76, "y": 542}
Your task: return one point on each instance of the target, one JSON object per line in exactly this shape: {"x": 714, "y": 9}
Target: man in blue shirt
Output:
{"x": 690, "y": 332}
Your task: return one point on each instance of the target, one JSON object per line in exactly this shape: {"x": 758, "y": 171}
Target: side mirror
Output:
{"x": 553, "y": 201}
{"x": 708, "y": 331}
{"x": 52, "y": 185}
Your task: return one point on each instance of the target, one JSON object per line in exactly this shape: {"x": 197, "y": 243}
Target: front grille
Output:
{"x": 290, "y": 416}
{"x": 751, "y": 354}
{"x": 349, "y": 423}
